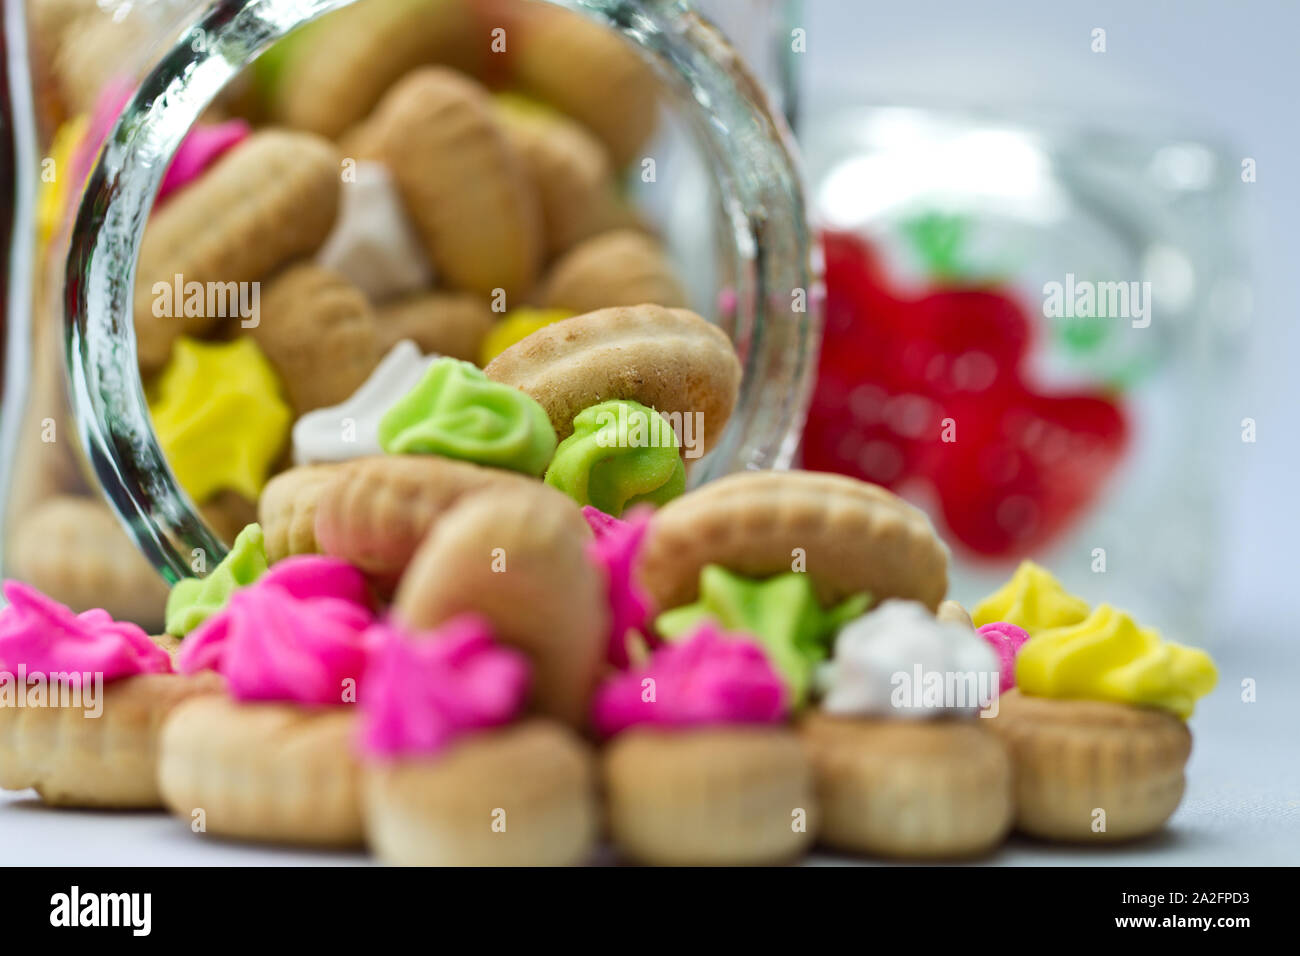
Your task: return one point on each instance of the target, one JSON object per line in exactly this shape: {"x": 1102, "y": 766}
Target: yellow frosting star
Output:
{"x": 56, "y": 176}
{"x": 516, "y": 325}
{"x": 1033, "y": 599}
{"x": 1107, "y": 656}
{"x": 220, "y": 416}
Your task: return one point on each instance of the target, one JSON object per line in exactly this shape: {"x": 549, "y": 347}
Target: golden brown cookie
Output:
{"x": 623, "y": 267}
{"x": 518, "y": 796}
{"x": 850, "y": 536}
{"x": 587, "y": 71}
{"x": 669, "y": 359}
{"x": 709, "y": 797}
{"x": 912, "y": 789}
{"x": 75, "y": 551}
{"x": 95, "y": 48}
{"x": 320, "y": 333}
{"x": 1091, "y": 771}
{"x": 517, "y": 557}
{"x": 954, "y": 613}
{"x": 440, "y": 323}
{"x": 374, "y": 512}
{"x": 265, "y": 203}
{"x": 466, "y": 191}
{"x": 277, "y": 773}
{"x": 110, "y": 761}
{"x": 334, "y": 77}
{"x": 287, "y": 509}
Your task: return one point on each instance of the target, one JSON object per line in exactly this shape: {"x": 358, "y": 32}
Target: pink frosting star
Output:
{"x": 1005, "y": 639}
{"x": 615, "y": 550}
{"x": 706, "y": 678}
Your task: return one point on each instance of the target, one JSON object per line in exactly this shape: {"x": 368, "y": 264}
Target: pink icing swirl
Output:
{"x": 425, "y": 690}
{"x": 614, "y": 551}
{"x": 707, "y": 678}
{"x": 296, "y": 635}
{"x": 1006, "y": 640}
{"x": 44, "y": 637}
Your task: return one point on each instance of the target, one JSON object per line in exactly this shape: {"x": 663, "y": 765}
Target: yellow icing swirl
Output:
{"x": 1107, "y": 656}
{"x": 1033, "y": 599}
{"x": 220, "y": 417}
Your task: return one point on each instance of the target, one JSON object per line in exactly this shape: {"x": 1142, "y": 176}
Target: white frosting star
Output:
{"x": 899, "y": 660}
{"x": 351, "y": 429}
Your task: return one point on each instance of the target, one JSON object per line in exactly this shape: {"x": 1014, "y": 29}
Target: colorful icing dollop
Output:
{"x": 782, "y": 612}
{"x": 42, "y": 637}
{"x": 193, "y": 600}
{"x": 515, "y": 326}
{"x": 351, "y": 429}
{"x": 900, "y": 660}
{"x": 707, "y": 678}
{"x": 614, "y": 550}
{"x": 298, "y": 634}
{"x": 220, "y": 416}
{"x": 1006, "y": 641}
{"x": 1107, "y": 656}
{"x": 619, "y": 455}
{"x": 458, "y": 412}
{"x": 423, "y": 691}
{"x": 373, "y": 244}
{"x": 1033, "y": 599}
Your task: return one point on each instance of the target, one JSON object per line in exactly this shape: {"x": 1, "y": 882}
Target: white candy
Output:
{"x": 351, "y": 429}
{"x": 373, "y": 244}
{"x": 899, "y": 660}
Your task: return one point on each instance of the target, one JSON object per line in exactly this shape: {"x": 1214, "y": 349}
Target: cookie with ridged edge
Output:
{"x": 1073, "y": 757}
{"x": 270, "y": 200}
{"x": 110, "y": 761}
{"x": 320, "y": 333}
{"x": 464, "y": 188}
{"x": 336, "y": 74}
{"x": 911, "y": 789}
{"x": 440, "y": 323}
{"x": 538, "y": 779}
{"x": 276, "y": 773}
{"x": 724, "y": 796}
{"x": 374, "y": 512}
{"x": 287, "y": 507}
{"x": 623, "y": 267}
{"x": 75, "y": 551}
{"x": 854, "y": 537}
{"x": 670, "y": 360}
{"x": 517, "y": 557}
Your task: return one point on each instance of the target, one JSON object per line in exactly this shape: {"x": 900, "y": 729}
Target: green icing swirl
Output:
{"x": 193, "y": 600}
{"x": 782, "y": 612}
{"x": 620, "y": 454}
{"x": 458, "y": 412}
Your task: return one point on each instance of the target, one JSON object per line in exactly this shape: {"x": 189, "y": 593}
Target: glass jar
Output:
{"x": 70, "y": 333}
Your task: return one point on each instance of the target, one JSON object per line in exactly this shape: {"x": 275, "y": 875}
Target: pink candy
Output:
{"x": 44, "y": 637}
{"x": 707, "y": 678}
{"x": 297, "y": 634}
{"x": 615, "y": 550}
{"x": 425, "y": 690}
{"x": 1006, "y": 639}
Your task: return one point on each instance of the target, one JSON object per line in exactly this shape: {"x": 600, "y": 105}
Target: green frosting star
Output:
{"x": 620, "y": 454}
{"x": 458, "y": 412}
{"x": 193, "y": 600}
{"x": 781, "y": 611}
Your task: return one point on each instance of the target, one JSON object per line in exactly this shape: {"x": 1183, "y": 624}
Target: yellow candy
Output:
{"x": 516, "y": 325}
{"x": 220, "y": 416}
{"x": 55, "y": 183}
{"x": 1107, "y": 656}
{"x": 1033, "y": 599}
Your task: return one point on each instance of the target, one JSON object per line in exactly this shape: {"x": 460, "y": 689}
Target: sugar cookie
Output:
{"x": 440, "y": 323}
{"x": 624, "y": 267}
{"x": 286, "y": 509}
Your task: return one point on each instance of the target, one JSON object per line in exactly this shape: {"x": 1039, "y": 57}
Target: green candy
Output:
{"x": 193, "y": 600}
{"x": 620, "y": 454}
{"x": 458, "y": 412}
{"x": 781, "y": 611}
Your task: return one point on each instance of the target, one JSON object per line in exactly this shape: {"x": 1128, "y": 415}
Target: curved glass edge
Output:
{"x": 748, "y": 144}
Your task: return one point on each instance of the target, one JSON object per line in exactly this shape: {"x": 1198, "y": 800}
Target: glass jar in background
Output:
{"x": 748, "y": 240}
